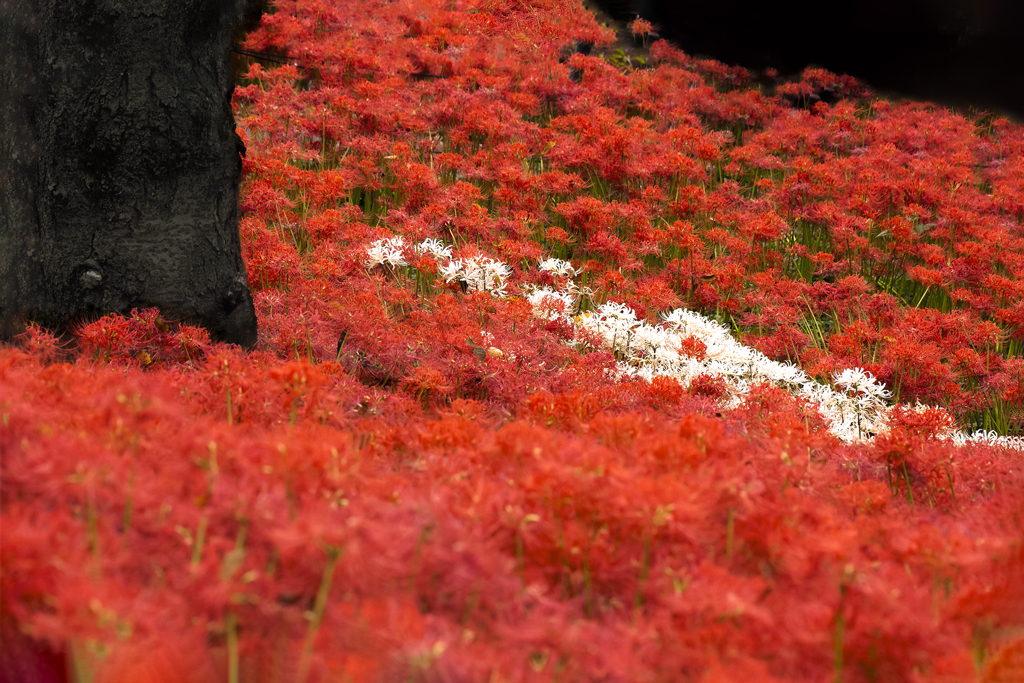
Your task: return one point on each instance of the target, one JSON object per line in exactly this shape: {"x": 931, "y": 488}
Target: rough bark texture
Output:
{"x": 119, "y": 163}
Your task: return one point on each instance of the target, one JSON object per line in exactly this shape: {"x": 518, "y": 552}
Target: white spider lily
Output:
{"x": 646, "y": 351}
{"x": 550, "y": 304}
{"x": 863, "y": 382}
{"x": 434, "y": 247}
{"x": 856, "y": 409}
{"x": 484, "y": 274}
{"x": 451, "y": 270}
{"x": 989, "y": 438}
{"x": 386, "y": 251}
{"x": 785, "y": 374}
{"x": 558, "y": 267}
{"x": 613, "y": 323}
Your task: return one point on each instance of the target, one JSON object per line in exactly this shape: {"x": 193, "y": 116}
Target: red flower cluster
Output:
{"x": 412, "y": 478}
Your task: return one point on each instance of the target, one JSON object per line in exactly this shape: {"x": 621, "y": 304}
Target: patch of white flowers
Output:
{"x": 484, "y": 274}
{"x": 855, "y": 406}
{"x": 558, "y": 267}
{"x": 477, "y": 273}
{"x": 988, "y": 438}
{"x": 436, "y": 248}
{"x": 389, "y": 251}
{"x": 550, "y": 304}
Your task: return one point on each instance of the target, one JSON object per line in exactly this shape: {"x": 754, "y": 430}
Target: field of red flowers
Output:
{"x": 450, "y": 459}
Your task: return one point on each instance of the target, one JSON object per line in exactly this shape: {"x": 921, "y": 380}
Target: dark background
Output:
{"x": 962, "y": 53}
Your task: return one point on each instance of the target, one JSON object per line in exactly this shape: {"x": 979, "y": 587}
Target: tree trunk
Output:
{"x": 119, "y": 163}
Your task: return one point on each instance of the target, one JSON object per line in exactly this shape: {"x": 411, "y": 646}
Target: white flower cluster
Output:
{"x": 559, "y": 267}
{"x": 855, "y": 412}
{"x": 989, "y": 439}
{"x": 550, "y": 304}
{"x": 435, "y": 248}
{"x": 388, "y": 251}
{"x": 478, "y": 273}
{"x": 855, "y": 406}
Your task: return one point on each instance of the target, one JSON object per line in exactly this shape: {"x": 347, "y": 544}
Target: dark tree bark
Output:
{"x": 119, "y": 163}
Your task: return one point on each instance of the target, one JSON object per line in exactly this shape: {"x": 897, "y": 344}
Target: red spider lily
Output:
{"x": 375, "y": 494}
{"x": 866, "y": 497}
{"x": 1007, "y": 664}
{"x": 300, "y": 383}
{"x": 157, "y": 662}
{"x": 41, "y": 343}
{"x": 111, "y": 336}
{"x": 641, "y": 27}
